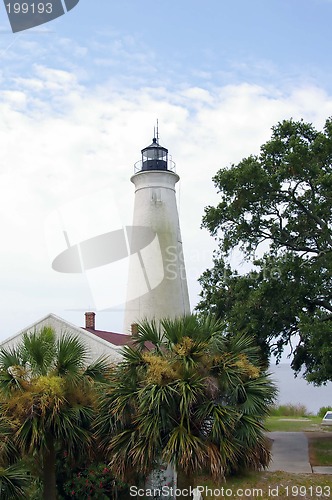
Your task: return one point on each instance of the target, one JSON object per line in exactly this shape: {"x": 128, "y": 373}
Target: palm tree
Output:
{"x": 189, "y": 395}
{"x": 14, "y": 476}
{"x": 49, "y": 394}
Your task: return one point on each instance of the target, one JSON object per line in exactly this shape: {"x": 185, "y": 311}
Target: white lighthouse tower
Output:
{"x": 157, "y": 284}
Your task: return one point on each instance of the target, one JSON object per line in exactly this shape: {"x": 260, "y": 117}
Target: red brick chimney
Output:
{"x": 90, "y": 320}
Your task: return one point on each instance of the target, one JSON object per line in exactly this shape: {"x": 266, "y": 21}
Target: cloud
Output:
{"x": 62, "y": 138}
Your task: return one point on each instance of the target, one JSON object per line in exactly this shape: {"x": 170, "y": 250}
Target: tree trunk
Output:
{"x": 49, "y": 471}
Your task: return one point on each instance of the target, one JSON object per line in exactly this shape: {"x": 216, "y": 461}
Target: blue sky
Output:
{"x": 79, "y": 98}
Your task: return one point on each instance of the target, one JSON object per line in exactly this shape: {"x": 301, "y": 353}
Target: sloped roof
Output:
{"x": 109, "y": 343}
{"x": 117, "y": 339}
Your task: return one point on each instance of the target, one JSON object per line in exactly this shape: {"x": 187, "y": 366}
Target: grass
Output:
{"x": 320, "y": 449}
{"x": 296, "y": 418}
{"x": 268, "y": 485}
{"x": 296, "y": 424}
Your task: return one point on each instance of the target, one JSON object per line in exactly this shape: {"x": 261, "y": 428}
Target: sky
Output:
{"x": 79, "y": 98}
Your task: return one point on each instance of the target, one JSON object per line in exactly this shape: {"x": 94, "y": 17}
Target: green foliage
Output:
{"x": 197, "y": 399}
{"x": 48, "y": 400}
{"x": 320, "y": 451}
{"x": 289, "y": 410}
{"x": 321, "y": 412}
{"x": 276, "y": 208}
{"x": 93, "y": 482}
{"x": 14, "y": 480}
{"x": 39, "y": 350}
{"x": 293, "y": 424}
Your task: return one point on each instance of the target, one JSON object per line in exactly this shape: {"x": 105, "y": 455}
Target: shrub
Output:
{"x": 323, "y": 410}
{"x": 289, "y": 410}
{"x": 93, "y": 482}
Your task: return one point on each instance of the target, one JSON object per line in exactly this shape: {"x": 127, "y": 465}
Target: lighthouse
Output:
{"x": 157, "y": 284}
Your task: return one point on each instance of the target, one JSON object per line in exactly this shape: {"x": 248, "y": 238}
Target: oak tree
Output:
{"x": 276, "y": 208}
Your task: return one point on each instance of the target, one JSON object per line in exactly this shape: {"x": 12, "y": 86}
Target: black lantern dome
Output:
{"x": 154, "y": 157}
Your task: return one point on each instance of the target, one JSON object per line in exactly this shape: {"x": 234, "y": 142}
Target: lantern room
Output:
{"x": 154, "y": 157}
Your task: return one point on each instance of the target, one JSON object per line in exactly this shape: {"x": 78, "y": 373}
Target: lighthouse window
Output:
{"x": 155, "y": 195}
{"x": 154, "y": 157}
{"x": 154, "y": 154}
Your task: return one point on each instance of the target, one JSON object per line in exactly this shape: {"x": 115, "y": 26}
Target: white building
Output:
{"x": 157, "y": 283}
{"x": 98, "y": 342}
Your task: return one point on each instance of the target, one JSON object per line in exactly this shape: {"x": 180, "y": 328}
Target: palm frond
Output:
{"x": 258, "y": 395}
{"x": 9, "y": 357}
{"x": 13, "y": 482}
{"x": 71, "y": 356}
{"x": 145, "y": 452}
{"x": 120, "y": 451}
{"x": 148, "y": 331}
{"x": 38, "y": 349}
{"x": 210, "y": 327}
{"x": 190, "y": 392}
{"x": 216, "y": 461}
{"x": 186, "y": 450}
{"x": 131, "y": 356}
{"x": 99, "y": 370}
{"x": 240, "y": 344}
{"x": 8, "y": 449}
{"x": 217, "y": 422}
{"x": 12, "y": 370}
